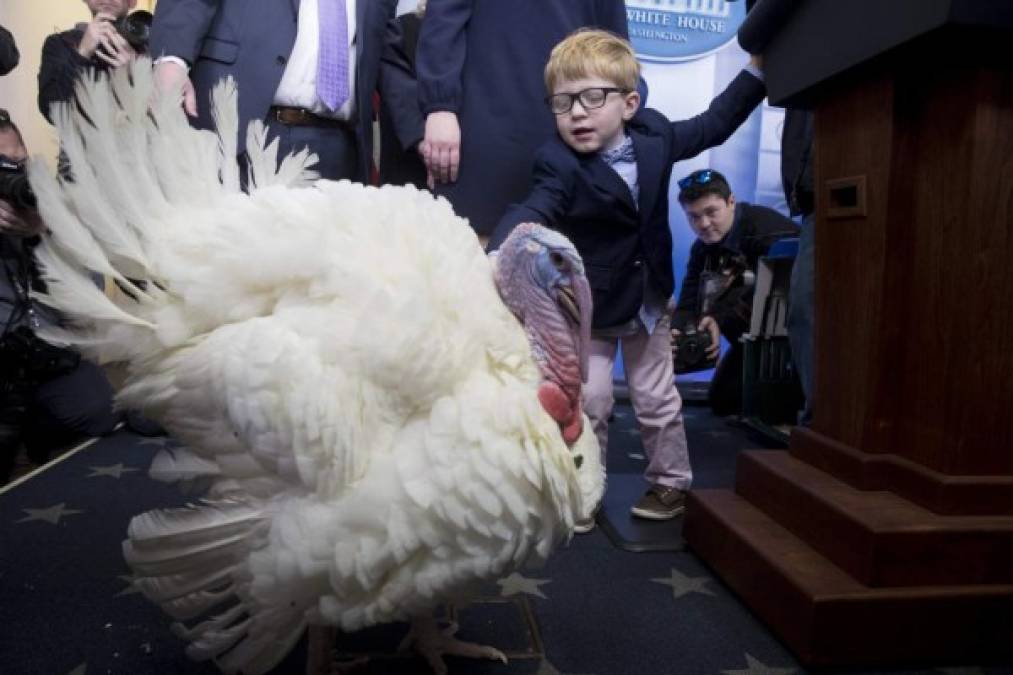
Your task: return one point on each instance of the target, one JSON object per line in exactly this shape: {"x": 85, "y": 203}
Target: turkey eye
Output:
{"x": 557, "y": 260}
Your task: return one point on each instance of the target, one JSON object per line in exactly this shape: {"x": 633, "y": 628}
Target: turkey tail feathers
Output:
{"x": 190, "y": 561}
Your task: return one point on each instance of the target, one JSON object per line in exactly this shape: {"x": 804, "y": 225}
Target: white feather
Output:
{"x": 335, "y": 357}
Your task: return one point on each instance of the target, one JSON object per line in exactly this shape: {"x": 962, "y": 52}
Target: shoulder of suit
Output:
{"x": 649, "y": 121}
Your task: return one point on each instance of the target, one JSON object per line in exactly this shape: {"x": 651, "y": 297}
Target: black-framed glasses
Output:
{"x": 701, "y": 177}
{"x": 590, "y": 98}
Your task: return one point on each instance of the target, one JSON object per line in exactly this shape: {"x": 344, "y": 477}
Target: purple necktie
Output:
{"x": 332, "y": 59}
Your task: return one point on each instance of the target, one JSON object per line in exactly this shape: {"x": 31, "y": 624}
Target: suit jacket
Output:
{"x": 483, "y": 59}
{"x": 619, "y": 240}
{"x": 251, "y": 40}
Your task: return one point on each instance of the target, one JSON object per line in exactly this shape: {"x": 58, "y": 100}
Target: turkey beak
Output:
{"x": 574, "y": 300}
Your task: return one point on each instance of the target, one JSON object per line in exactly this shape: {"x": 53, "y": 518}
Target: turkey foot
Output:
{"x": 321, "y": 658}
{"x": 433, "y": 643}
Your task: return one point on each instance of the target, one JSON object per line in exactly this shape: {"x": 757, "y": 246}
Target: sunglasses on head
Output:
{"x": 701, "y": 177}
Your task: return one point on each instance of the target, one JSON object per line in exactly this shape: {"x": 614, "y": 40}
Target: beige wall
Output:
{"x": 31, "y": 21}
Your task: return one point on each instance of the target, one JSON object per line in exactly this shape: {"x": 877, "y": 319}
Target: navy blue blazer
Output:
{"x": 484, "y": 59}
{"x": 251, "y": 40}
{"x": 585, "y": 199}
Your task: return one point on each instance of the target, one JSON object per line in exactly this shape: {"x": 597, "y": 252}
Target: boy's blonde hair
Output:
{"x": 591, "y": 52}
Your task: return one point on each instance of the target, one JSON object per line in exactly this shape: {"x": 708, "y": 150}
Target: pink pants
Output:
{"x": 648, "y": 363}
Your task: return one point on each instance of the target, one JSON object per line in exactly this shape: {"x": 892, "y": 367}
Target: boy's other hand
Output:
{"x": 711, "y": 326}
{"x": 168, "y": 75}
{"x": 441, "y": 146}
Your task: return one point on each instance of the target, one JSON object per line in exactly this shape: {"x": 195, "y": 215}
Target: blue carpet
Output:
{"x": 67, "y": 607}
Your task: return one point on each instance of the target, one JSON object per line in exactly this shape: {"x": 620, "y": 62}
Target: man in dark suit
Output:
{"x": 307, "y": 67}
{"x": 603, "y": 182}
{"x": 480, "y": 86}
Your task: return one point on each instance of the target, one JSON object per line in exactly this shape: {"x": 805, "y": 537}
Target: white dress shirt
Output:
{"x": 298, "y": 86}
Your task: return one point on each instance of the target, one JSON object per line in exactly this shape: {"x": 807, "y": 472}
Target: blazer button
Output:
{"x": 281, "y": 60}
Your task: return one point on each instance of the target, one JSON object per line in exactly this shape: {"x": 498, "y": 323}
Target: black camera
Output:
{"x": 14, "y": 186}
{"x": 135, "y": 28}
{"x": 690, "y": 350}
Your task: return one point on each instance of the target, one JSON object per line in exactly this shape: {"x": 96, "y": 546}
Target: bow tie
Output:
{"x": 624, "y": 153}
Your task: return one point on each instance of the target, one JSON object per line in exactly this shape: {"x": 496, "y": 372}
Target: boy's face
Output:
{"x": 113, "y": 8}
{"x": 590, "y": 130}
{"x": 710, "y": 217}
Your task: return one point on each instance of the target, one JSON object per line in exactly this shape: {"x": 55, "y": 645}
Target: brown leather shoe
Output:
{"x": 660, "y": 503}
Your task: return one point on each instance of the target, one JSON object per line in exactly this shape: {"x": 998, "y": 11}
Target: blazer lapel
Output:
{"x": 650, "y": 166}
{"x": 606, "y": 179}
{"x": 360, "y": 27}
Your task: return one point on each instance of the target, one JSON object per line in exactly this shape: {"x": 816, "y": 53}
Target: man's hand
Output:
{"x": 711, "y": 326}
{"x": 19, "y": 223}
{"x": 115, "y": 50}
{"x": 98, "y": 33}
{"x": 441, "y": 147}
{"x": 168, "y": 76}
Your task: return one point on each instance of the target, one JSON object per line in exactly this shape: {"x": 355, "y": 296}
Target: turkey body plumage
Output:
{"x": 335, "y": 358}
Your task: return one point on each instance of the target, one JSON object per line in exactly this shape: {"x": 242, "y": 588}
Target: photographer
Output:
{"x": 717, "y": 291}
{"x": 109, "y": 41}
{"x": 48, "y": 395}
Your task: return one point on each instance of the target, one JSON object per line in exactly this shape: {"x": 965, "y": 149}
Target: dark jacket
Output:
{"x": 9, "y": 55}
{"x": 796, "y": 161}
{"x": 400, "y": 165}
{"x": 484, "y": 60}
{"x": 60, "y": 67}
{"x": 251, "y": 40}
{"x": 586, "y": 200}
{"x": 753, "y": 231}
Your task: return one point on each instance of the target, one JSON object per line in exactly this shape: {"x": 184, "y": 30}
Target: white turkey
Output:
{"x": 385, "y": 425}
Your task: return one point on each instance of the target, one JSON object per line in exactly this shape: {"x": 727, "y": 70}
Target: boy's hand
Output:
{"x": 441, "y": 146}
{"x": 711, "y": 326}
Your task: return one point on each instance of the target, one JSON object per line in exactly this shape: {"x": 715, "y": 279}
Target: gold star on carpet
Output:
{"x": 517, "y": 583}
{"x": 113, "y": 470}
{"x": 51, "y": 515}
{"x": 131, "y": 589}
{"x": 683, "y": 585}
{"x": 756, "y": 667}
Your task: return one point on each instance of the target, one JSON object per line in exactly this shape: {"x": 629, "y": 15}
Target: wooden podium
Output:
{"x": 885, "y": 533}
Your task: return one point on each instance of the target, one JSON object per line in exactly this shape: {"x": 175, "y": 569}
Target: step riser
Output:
{"x": 827, "y": 628}
{"x": 927, "y": 556}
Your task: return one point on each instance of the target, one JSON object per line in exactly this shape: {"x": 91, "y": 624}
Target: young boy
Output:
{"x": 603, "y": 182}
